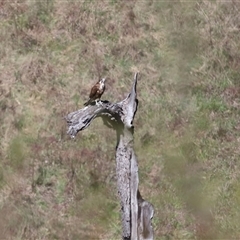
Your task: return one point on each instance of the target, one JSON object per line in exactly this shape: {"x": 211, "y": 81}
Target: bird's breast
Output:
{"x": 101, "y": 86}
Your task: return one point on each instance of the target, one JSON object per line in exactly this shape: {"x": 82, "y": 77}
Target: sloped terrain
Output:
{"x": 186, "y": 128}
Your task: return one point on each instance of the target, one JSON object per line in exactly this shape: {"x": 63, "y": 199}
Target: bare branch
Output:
{"x": 82, "y": 118}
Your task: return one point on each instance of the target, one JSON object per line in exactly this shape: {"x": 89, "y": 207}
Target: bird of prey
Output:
{"x": 96, "y": 91}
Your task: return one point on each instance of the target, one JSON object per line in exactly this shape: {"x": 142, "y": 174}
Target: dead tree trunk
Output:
{"x": 136, "y": 212}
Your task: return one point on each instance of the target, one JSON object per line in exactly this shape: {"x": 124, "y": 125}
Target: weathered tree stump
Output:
{"x": 136, "y": 212}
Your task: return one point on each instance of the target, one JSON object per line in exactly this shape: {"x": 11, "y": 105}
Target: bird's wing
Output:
{"x": 93, "y": 91}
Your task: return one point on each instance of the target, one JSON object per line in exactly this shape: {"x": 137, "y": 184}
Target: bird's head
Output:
{"x": 102, "y": 80}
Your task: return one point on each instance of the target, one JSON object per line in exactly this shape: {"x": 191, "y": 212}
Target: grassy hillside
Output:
{"x": 186, "y": 129}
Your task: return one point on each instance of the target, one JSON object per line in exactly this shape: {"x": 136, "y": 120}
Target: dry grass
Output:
{"x": 186, "y": 137}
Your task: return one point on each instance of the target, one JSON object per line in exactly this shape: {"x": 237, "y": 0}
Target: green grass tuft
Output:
{"x": 17, "y": 153}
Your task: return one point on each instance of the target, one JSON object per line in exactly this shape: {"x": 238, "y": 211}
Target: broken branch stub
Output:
{"x": 136, "y": 213}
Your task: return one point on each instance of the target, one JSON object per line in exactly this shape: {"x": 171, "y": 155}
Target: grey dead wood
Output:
{"x": 136, "y": 212}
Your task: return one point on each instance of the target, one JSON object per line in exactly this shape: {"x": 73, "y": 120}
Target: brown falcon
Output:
{"x": 96, "y": 91}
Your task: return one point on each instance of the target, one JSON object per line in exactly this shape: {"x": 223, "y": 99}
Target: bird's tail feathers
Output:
{"x": 87, "y": 103}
